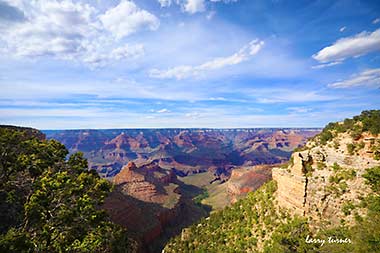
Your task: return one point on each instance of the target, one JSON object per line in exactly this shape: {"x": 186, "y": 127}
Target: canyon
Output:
{"x": 159, "y": 173}
{"x": 187, "y": 151}
{"x": 328, "y": 190}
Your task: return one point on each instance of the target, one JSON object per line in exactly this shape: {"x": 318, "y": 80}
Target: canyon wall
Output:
{"x": 322, "y": 181}
{"x": 189, "y": 151}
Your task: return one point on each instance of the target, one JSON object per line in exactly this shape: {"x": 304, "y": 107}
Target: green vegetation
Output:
{"x": 350, "y": 148}
{"x": 343, "y": 174}
{"x": 216, "y": 197}
{"x": 336, "y": 167}
{"x": 246, "y": 226}
{"x": 338, "y": 180}
{"x": 367, "y": 121}
{"x": 353, "y": 148}
{"x": 198, "y": 199}
{"x": 375, "y": 147}
{"x": 290, "y": 237}
{"x": 373, "y": 178}
{"x": 254, "y": 224}
{"x": 336, "y": 144}
{"x": 308, "y": 168}
{"x": 234, "y": 229}
{"x": 321, "y": 165}
{"x": 365, "y": 235}
{"x": 48, "y": 204}
{"x": 348, "y": 207}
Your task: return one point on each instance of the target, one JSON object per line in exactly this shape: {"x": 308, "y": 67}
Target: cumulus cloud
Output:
{"x": 74, "y": 31}
{"x": 375, "y": 21}
{"x": 186, "y": 71}
{"x": 369, "y": 78}
{"x": 355, "y": 46}
{"x": 51, "y": 28}
{"x": 126, "y": 18}
{"x": 124, "y": 52}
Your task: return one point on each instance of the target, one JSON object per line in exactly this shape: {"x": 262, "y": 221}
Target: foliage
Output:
{"x": 49, "y": 204}
{"x": 198, "y": 199}
{"x": 321, "y": 165}
{"x": 290, "y": 237}
{"x": 350, "y": 148}
{"x": 367, "y": 121}
{"x": 365, "y": 235}
{"x": 347, "y": 207}
{"x": 375, "y": 147}
{"x": 234, "y": 229}
{"x": 372, "y": 177}
{"x": 254, "y": 224}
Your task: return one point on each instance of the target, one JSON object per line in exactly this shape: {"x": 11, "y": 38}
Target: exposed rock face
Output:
{"x": 145, "y": 183}
{"x": 187, "y": 150}
{"x": 147, "y": 200}
{"x": 291, "y": 185}
{"x": 244, "y": 180}
{"x": 323, "y": 178}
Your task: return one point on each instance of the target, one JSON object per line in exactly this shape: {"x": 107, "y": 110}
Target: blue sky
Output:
{"x": 187, "y": 63}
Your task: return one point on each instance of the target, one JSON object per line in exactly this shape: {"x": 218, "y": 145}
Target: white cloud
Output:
{"x": 126, "y": 18}
{"x": 193, "y": 115}
{"x": 355, "y": 46}
{"x": 342, "y": 29}
{"x": 375, "y": 21}
{"x": 321, "y": 66}
{"x": 164, "y": 110}
{"x": 369, "y": 78}
{"x": 165, "y": 3}
{"x": 74, "y": 31}
{"x": 194, "y": 6}
{"x": 299, "y": 109}
{"x": 273, "y": 96}
{"x": 185, "y": 71}
{"x": 224, "y": 1}
{"x": 52, "y": 28}
{"x": 124, "y": 52}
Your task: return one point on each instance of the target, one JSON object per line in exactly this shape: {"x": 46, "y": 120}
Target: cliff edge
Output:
{"x": 324, "y": 179}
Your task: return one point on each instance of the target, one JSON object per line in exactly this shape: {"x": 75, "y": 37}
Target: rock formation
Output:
{"x": 323, "y": 178}
{"x": 244, "y": 180}
{"x": 187, "y": 150}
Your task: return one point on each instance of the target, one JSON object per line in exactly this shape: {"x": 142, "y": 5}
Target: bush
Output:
{"x": 49, "y": 204}
{"x": 350, "y": 148}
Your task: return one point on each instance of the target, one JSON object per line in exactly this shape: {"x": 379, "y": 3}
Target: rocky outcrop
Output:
{"x": 322, "y": 179}
{"x": 145, "y": 200}
{"x": 291, "y": 184}
{"x": 145, "y": 183}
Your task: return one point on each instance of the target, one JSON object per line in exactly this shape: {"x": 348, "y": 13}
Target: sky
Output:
{"x": 187, "y": 63}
